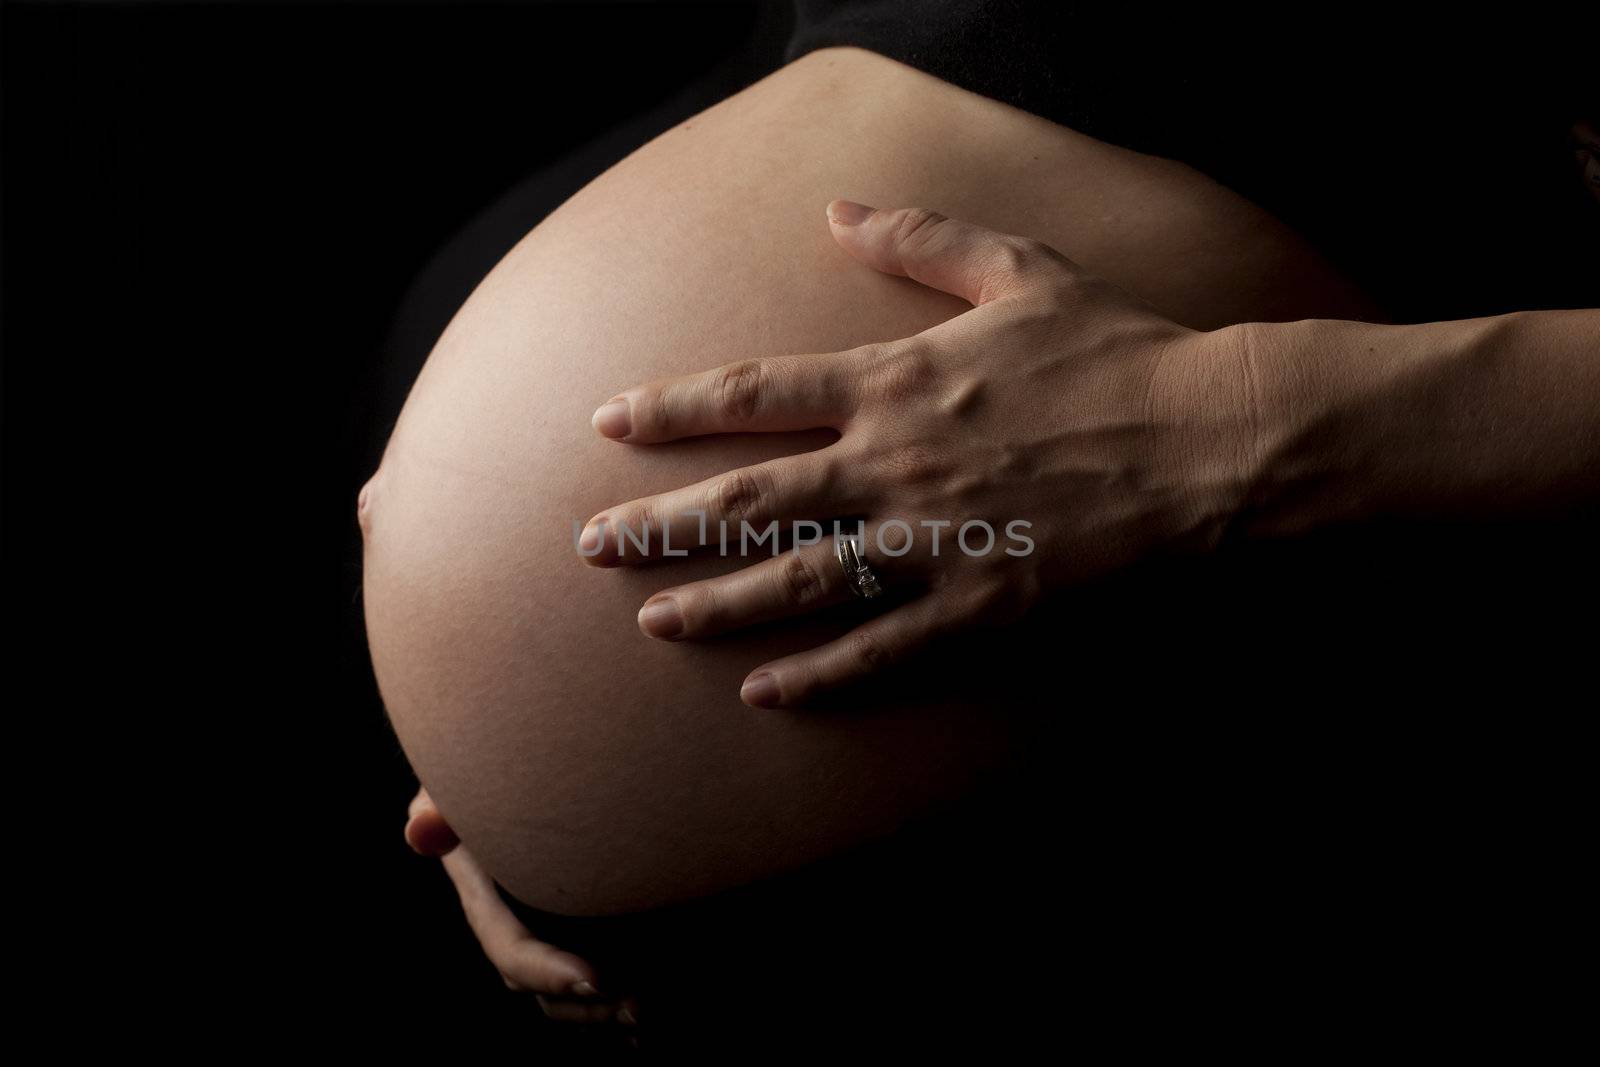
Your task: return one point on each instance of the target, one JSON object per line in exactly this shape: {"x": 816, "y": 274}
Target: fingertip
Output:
{"x": 848, "y": 213}
{"x": 760, "y": 690}
{"x": 662, "y": 619}
{"x": 420, "y": 803}
{"x": 613, "y": 419}
{"x": 429, "y": 835}
{"x": 593, "y": 547}
{"x": 572, "y": 977}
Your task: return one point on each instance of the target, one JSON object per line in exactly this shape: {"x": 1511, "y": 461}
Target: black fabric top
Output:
{"x": 1432, "y": 160}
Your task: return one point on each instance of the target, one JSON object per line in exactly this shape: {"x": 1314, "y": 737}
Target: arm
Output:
{"x": 588, "y": 768}
{"x": 1482, "y": 418}
{"x": 1110, "y": 431}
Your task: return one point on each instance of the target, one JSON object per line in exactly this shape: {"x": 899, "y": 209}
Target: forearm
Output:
{"x": 1479, "y": 418}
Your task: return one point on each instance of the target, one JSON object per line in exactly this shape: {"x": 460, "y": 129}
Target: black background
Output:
{"x": 232, "y": 232}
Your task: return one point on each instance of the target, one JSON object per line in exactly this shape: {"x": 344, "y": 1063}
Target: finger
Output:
{"x": 869, "y": 648}
{"x": 753, "y": 395}
{"x": 419, "y": 803}
{"x": 426, "y": 831}
{"x": 571, "y": 1010}
{"x": 803, "y": 579}
{"x": 961, "y": 258}
{"x": 781, "y": 490}
{"x": 525, "y": 962}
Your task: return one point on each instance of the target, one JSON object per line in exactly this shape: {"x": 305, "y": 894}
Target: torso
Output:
{"x": 597, "y": 771}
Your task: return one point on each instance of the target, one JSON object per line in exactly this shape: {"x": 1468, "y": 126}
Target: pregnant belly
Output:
{"x": 593, "y": 770}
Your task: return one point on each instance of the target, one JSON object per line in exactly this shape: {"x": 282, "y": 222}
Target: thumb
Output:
{"x": 959, "y": 258}
{"x": 426, "y": 831}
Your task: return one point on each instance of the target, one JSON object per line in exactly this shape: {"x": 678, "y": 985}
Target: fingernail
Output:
{"x": 848, "y": 212}
{"x": 760, "y": 691}
{"x": 589, "y": 541}
{"x": 612, "y": 420}
{"x": 625, "y": 1017}
{"x": 661, "y": 618}
{"x": 583, "y": 989}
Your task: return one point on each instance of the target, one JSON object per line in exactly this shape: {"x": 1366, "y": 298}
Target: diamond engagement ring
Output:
{"x": 857, "y": 575}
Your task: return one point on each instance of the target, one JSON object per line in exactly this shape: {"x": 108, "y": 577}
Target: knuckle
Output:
{"x": 868, "y": 360}
{"x": 739, "y": 388}
{"x": 1023, "y": 260}
{"x": 837, "y": 476}
{"x": 801, "y": 584}
{"x": 702, "y": 610}
{"x": 1024, "y": 254}
{"x": 867, "y": 651}
{"x": 654, "y": 414}
{"x": 914, "y": 464}
{"x": 1040, "y": 319}
{"x": 739, "y": 496}
{"x": 907, "y": 372}
{"x": 917, "y": 228}
{"x": 642, "y": 522}
{"x": 835, "y": 385}
{"x": 1014, "y": 255}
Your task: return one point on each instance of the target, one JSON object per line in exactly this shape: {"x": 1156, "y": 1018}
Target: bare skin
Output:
{"x": 1062, "y": 408}
{"x": 591, "y": 769}
{"x": 1262, "y": 427}
{"x": 565, "y": 985}
{"x": 485, "y": 645}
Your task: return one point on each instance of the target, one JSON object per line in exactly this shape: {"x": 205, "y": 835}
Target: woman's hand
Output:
{"x": 564, "y": 984}
{"x": 1058, "y": 431}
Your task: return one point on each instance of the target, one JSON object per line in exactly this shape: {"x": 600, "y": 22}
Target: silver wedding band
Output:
{"x": 857, "y": 575}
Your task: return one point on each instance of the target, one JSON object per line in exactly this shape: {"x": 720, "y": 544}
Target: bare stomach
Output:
{"x": 594, "y": 770}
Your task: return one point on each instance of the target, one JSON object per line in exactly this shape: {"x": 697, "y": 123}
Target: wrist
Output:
{"x": 1204, "y": 412}
{"x": 1328, "y": 422}
{"x": 1273, "y": 447}
{"x": 1354, "y": 421}
{"x": 1307, "y": 458}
